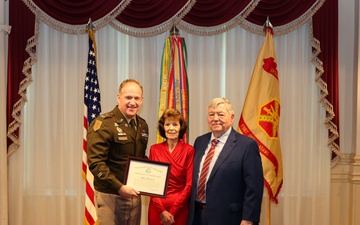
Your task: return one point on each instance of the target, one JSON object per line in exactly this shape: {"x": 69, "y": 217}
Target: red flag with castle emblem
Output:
{"x": 261, "y": 115}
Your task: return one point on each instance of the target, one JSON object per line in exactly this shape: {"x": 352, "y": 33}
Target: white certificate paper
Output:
{"x": 147, "y": 176}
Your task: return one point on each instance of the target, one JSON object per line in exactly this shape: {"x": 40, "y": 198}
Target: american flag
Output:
{"x": 92, "y": 109}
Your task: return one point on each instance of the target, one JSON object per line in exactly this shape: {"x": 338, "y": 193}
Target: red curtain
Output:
{"x": 150, "y": 13}
{"x": 214, "y": 12}
{"x": 76, "y": 12}
{"x": 142, "y": 13}
{"x": 280, "y": 12}
{"x": 22, "y": 23}
{"x": 158, "y": 15}
{"x": 325, "y": 28}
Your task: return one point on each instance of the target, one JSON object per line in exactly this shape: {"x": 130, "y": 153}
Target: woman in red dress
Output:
{"x": 173, "y": 210}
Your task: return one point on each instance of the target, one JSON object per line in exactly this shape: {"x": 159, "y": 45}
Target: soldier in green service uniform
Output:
{"x": 111, "y": 139}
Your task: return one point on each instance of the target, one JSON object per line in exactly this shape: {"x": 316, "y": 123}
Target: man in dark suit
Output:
{"x": 230, "y": 193}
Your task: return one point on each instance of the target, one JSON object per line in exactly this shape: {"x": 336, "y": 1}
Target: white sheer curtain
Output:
{"x": 46, "y": 186}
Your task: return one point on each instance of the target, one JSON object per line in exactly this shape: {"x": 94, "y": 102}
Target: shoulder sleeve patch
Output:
{"x": 97, "y": 125}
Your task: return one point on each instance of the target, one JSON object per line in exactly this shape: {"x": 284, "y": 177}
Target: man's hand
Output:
{"x": 246, "y": 222}
{"x": 128, "y": 192}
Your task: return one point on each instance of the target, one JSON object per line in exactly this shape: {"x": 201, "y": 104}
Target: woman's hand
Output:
{"x": 167, "y": 218}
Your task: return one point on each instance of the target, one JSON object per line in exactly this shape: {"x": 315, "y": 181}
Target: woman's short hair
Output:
{"x": 172, "y": 113}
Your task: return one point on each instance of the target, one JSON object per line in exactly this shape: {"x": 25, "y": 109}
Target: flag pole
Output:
{"x": 264, "y": 128}
{"x": 92, "y": 109}
{"x": 89, "y": 25}
{"x": 90, "y": 30}
{"x": 268, "y": 209}
{"x": 268, "y": 28}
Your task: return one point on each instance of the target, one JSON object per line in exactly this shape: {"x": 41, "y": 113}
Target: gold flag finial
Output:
{"x": 268, "y": 26}
{"x": 174, "y": 31}
{"x": 89, "y": 25}
{"x": 267, "y": 23}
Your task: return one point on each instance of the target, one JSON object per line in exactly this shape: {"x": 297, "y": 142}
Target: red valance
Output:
{"x": 76, "y": 12}
{"x": 280, "y": 12}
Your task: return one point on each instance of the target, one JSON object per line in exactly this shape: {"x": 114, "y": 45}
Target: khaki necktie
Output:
{"x": 133, "y": 125}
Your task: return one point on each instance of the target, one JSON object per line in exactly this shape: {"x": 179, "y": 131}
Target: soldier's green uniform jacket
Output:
{"x": 110, "y": 140}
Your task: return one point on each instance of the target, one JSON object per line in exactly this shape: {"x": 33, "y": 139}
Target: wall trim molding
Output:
{"x": 341, "y": 171}
{"x": 354, "y": 173}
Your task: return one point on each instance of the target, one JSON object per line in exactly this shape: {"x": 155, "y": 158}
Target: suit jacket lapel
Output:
{"x": 228, "y": 147}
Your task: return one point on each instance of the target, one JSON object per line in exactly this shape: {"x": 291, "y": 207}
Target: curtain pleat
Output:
{"x": 75, "y": 12}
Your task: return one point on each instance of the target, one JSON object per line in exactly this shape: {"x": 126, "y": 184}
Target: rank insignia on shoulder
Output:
{"x": 97, "y": 125}
{"x": 106, "y": 115}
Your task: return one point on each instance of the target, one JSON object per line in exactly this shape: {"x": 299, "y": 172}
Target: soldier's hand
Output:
{"x": 128, "y": 192}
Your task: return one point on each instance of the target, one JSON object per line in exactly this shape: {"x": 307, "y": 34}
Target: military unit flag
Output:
{"x": 174, "y": 92}
{"x": 260, "y": 116}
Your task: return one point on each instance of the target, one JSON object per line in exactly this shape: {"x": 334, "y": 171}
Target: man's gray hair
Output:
{"x": 217, "y": 101}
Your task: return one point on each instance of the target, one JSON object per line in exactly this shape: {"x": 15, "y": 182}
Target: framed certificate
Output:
{"x": 147, "y": 176}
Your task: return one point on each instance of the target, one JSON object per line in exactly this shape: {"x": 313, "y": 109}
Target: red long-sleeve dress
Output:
{"x": 180, "y": 182}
